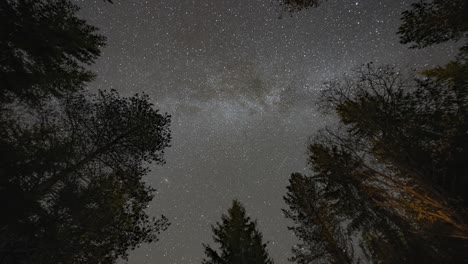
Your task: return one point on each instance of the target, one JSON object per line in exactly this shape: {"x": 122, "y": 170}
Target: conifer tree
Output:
{"x": 44, "y": 49}
{"x": 314, "y": 225}
{"x": 71, "y": 163}
{"x": 430, "y": 22}
{"x": 240, "y": 242}
{"x": 374, "y": 171}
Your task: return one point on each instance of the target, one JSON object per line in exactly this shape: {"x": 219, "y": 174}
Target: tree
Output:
{"x": 336, "y": 213}
{"x": 317, "y": 228}
{"x": 397, "y": 162}
{"x": 399, "y": 150}
{"x": 382, "y": 176}
{"x": 428, "y": 22}
{"x": 354, "y": 191}
{"x": 239, "y": 239}
{"x": 433, "y": 22}
{"x": 298, "y": 5}
{"x": 44, "y": 49}
{"x": 75, "y": 178}
{"x": 414, "y": 125}
{"x": 71, "y": 163}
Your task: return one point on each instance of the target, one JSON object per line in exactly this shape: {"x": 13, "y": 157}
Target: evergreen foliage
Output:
{"x": 44, "y": 49}
{"x": 434, "y": 22}
{"x": 239, "y": 240}
{"x": 71, "y": 163}
{"x": 394, "y": 169}
{"x": 315, "y": 224}
{"x": 391, "y": 173}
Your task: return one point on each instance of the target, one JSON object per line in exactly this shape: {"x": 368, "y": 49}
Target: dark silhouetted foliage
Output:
{"x": 417, "y": 126}
{"x": 315, "y": 225}
{"x": 430, "y": 22}
{"x": 71, "y": 163}
{"x": 298, "y": 5}
{"x": 44, "y": 49}
{"x": 392, "y": 172}
{"x": 74, "y": 179}
{"x": 238, "y": 238}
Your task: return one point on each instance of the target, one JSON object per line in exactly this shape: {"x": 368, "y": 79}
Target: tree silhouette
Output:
{"x": 43, "y": 49}
{"x": 393, "y": 168}
{"x": 414, "y": 125}
{"x": 238, "y": 238}
{"x": 298, "y": 5}
{"x": 426, "y": 23}
{"x": 71, "y": 163}
{"x": 314, "y": 224}
{"x": 78, "y": 189}
{"x": 433, "y": 22}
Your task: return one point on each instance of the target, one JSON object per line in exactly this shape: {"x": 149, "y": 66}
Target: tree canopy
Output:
{"x": 71, "y": 162}
{"x": 434, "y": 22}
{"x": 392, "y": 170}
{"x": 315, "y": 225}
{"x": 44, "y": 49}
{"x": 298, "y": 5}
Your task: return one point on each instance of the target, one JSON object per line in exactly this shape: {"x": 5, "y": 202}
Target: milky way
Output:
{"x": 240, "y": 80}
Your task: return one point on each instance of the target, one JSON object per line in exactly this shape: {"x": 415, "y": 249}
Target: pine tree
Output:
{"x": 239, "y": 239}
{"x": 44, "y": 49}
{"x": 314, "y": 224}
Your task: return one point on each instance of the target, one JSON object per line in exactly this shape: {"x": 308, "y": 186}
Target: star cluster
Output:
{"x": 240, "y": 80}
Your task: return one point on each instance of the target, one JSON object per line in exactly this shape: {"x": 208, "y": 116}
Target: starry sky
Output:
{"x": 240, "y": 80}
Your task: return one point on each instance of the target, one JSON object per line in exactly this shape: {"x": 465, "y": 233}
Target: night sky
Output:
{"x": 241, "y": 86}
